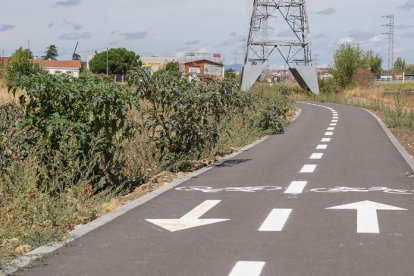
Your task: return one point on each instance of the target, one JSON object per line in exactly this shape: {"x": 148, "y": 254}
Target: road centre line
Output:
{"x": 328, "y": 133}
{"x": 296, "y": 187}
{"x": 326, "y": 140}
{"x": 245, "y": 268}
{"x": 276, "y": 220}
{"x": 316, "y": 156}
{"x": 309, "y": 168}
{"x": 321, "y": 147}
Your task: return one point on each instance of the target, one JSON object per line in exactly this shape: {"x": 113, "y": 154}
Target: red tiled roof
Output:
{"x": 58, "y": 63}
{"x": 200, "y": 61}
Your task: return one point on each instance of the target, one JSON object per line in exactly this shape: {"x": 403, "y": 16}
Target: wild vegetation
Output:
{"x": 69, "y": 146}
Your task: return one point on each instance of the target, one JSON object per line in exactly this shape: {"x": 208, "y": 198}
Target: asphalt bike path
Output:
{"x": 331, "y": 196}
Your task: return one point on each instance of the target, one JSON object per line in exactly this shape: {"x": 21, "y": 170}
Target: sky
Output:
{"x": 173, "y": 27}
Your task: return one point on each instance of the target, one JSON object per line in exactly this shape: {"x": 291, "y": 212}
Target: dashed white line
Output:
{"x": 316, "y": 156}
{"x": 308, "y": 168}
{"x": 325, "y": 140}
{"x": 245, "y": 268}
{"x": 334, "y": 121}
{"x": 333, "y": 124}
{"x": 296, "y": 187}
{"x": 276, "y": 220}
{"x": 328, "y": 133}
{"x": 330, "y": 128}
{"x": 321, "y": 147}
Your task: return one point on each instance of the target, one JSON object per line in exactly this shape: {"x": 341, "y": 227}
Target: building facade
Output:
{"x": 204, "y": 68}
{"x": 55, "y": 67}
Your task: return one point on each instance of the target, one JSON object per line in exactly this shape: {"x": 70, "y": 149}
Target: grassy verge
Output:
{"x": 40, "y": 202}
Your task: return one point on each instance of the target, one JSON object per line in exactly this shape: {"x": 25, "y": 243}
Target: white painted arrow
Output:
{"x": 189, "y": 220}
{"x": 367, "y": 217}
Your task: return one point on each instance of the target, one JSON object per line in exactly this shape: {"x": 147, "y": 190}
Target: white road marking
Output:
{"x": 310, "y": 168}
{"x": 321, "y": 147}
{"x": 296, "y": 187}
{"x": 276, "y": 220}
{"x": 367, "y": 216}
{"x": 244, "y": 268}
{"x": 328, "y": 133}
{"x": 334, "y": 121}
{"x": 326, "y": 140}
{"x": 330, "y": 128}
{"x": 316, "y": 156}
{"x": 333, "y": 124}
{"x": 189, "y": 220}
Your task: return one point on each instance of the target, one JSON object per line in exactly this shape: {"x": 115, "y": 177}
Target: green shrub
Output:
{"x": 183, "y": 117}
{"x": 88, "y": 113}
{"x": 273, "y": 113}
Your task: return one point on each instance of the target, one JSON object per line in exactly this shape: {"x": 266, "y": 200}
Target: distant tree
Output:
{"x": 20, "y": 63}
{"x": 400, "y": 65}
{"x": 172, "y": 66}
{"x": 120, "y": 61}
{"x": 51, "y": 52}
{"x": 76, "y": 56}
{"x": 374, "y": 63}
{"x": 410, "y": 69}
{"x": 348, "y": 59}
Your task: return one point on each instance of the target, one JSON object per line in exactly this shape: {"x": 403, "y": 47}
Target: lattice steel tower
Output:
{"x": 293, "y": 43}
{"x": 390, "y": 32}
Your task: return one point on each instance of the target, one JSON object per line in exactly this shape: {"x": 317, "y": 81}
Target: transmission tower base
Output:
{"x": 251, "y": 72}
{"x": 307, "y": 78}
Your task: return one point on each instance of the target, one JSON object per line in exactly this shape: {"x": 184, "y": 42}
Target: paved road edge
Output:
{"x": 407, "y": 157}
{"x": 48, "y": 249}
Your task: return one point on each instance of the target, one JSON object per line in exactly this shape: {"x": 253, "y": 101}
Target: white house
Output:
{"x": 54, "y": 67}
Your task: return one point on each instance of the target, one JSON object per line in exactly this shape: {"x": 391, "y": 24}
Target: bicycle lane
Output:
{"x": 268, "y": 232}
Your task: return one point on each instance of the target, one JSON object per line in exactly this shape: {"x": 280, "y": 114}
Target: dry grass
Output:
{"x": 384, "y": 94}
{"x": 5, "y": 96}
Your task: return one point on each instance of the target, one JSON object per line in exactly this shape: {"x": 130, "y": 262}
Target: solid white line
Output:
{"x": 330, "y": 128}
{"x": 276, "y": 220}
{"x": 316, "y": 156}
{"x": 296, "y": 187}
{"x": 321, "y": 147}
{"x": 244, "y": 268}
{"x": 308, "y": 169}
{"x": 328, "y": 133}
{"x": 325, "y": 140}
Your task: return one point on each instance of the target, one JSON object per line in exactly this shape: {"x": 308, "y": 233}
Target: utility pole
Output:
{"x": 390, "y": 26}
{"x": 107, "y": 61}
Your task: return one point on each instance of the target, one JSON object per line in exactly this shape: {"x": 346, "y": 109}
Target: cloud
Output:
{"x": 67, "y": 3}
{"x": 408, "y": 34}
{"x": 134, "y": 35}
{"x": 346, "y": 40}
{"x": 6, "y": 27}
{"x": 328, "y": 11}
{"x": 403, "y": 27}
{"x": 361, "y": 35}
{"x": 76, "y": 27}
{"x": 408, "y": 5}
{"x": 193, "y": 42}
{"x": 50, "y": 25}
{"x": 321, "y": 35}
{"x": 75, "y": 36}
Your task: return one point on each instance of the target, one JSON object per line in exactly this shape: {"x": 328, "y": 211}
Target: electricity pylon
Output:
{"x": 390, "y": 33}
{"x": 293, "y": 45}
